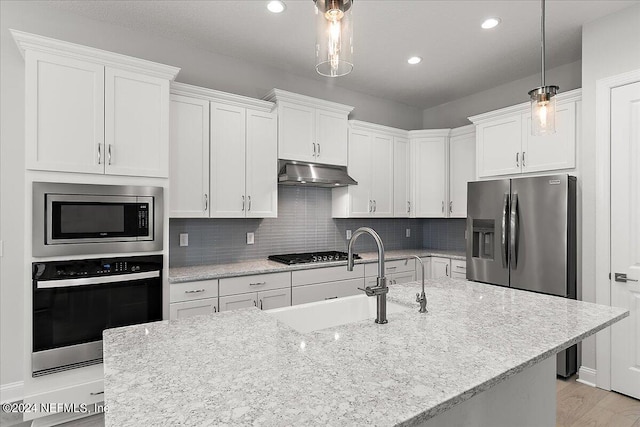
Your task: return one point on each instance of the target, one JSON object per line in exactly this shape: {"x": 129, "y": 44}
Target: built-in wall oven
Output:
{"x": 73, "y": 219}
{"x": 74, "y": 301}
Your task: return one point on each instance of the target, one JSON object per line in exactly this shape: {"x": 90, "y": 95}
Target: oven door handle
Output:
{"x": 83, "y": 281}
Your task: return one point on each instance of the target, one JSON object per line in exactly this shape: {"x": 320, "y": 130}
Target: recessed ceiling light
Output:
{"x": 414, "y": 60}
{"x": 490, "y": 23}
{"x": 276, "y": 6}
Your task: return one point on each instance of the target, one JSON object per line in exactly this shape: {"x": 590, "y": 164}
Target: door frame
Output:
{"x": 603, "y": 214}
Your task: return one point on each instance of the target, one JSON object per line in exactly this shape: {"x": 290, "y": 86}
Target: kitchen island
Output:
{"x": 245, "y": 367}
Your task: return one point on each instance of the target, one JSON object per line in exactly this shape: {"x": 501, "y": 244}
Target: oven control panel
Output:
{"x": 95, "y": 267}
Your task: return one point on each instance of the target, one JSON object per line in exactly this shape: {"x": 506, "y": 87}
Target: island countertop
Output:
{"x": 244, "y": 367}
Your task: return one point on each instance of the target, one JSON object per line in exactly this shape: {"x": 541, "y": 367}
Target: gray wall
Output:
{"x": 454, "y": 114}
{"x": 198, "y": 67}
{"x": 304, "y": 224}
{"x": 610, "y": 46}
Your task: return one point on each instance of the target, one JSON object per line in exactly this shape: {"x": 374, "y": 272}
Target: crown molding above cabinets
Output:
{"x": 221, "y": 97}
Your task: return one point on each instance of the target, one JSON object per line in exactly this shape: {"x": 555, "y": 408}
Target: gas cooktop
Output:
{"x": 311, "y": 257}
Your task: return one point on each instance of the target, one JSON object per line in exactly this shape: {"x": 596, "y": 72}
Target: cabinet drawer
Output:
{"x": 89, "y": 393}
{"x": 189, "y": 291}
{"x": 324, "y": 291}
{"x": 180, "y": 310}
{"x": 327, "y": 274}
{"x": 274, "y": 299}
{"x": 458, "y": 266}
{"x": 255, "y": 283}
{"x": 390, "y": 267}
{"x": 456, "y": 275}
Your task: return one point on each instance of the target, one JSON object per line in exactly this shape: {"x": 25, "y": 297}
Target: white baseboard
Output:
{"x": 12, "y": 392}
{"x": 587, "y": 376}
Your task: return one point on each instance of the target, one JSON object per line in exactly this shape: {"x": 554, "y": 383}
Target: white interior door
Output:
{"x": 625, "y": 237}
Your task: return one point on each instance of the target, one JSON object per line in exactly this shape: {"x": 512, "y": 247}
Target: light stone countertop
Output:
{"x": 245, "y": 368}
{"x": 261, "y": 266}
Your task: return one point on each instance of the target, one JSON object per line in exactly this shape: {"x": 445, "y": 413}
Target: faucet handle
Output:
{"x": 368, "y": 291}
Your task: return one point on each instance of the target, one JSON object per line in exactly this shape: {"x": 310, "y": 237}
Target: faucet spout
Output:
{"x": 421, "y": 298}
{"x": 380, "y": 290}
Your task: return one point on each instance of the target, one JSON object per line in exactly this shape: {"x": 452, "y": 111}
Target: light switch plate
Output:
{"x": 250, "y": 238}
{"x": 348, "y": 234}
{"x": 184, "y": 239}
{"x": 408, "y": 233}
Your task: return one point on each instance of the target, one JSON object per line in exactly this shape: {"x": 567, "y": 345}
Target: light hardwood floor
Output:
{"x": 578, "y": 406}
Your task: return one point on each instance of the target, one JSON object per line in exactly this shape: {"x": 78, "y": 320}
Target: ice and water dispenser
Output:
{"x": 482, "y": 245}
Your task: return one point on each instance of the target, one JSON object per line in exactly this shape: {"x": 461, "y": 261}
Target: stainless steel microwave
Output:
{"x": 74, "y": 219}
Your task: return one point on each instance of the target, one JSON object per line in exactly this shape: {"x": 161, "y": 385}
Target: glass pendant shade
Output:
{"x": 543, "y": 110}
{"x": 334, "y": 37}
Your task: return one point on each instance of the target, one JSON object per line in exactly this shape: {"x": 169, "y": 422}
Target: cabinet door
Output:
{"x": 331, "y": 137}
{"x": 180, "y": 310}
{"x": 382, "y": 175}
{"x": 64, "y": 114}
{"x": 401, "y": 203}
{"x": 325, "y": 291}
{"x": 551, "y": 152}
{"x": 136, "y": 124}
{"x": 227, "y": 172}
{"x": 440, "y": 267}
{"x": 498, "y": 146}
{"x": 462, "y": 169}
{"x": 189, "y": 159}
{"x": 234, "y": 302}
{"x": 360, "y": 169}
{"x": 296, "y": 132}
{"x": 274, "y": 299}
{"x": 262, "y": 165}
{"x": 429, "y": 171}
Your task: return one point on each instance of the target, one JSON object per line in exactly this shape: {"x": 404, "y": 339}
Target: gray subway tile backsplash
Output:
{"x": 304, "y": 224}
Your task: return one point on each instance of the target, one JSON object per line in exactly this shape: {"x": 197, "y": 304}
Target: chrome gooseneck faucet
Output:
{"x": 381, "y": 289}
{"x": 421, "y": 298}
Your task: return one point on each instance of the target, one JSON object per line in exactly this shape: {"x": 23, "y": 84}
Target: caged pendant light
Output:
{"x": 334, "y": 37}
{"x": 543, "y": 101}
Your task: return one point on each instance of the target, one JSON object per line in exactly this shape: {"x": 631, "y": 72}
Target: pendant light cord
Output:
{"x": 542, "y": 42}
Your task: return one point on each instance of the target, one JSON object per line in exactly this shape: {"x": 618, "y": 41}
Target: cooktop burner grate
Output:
{"x": 311, "y": 257}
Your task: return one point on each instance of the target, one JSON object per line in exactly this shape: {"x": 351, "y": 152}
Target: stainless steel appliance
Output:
{"x": 521, "y": 233}
{"x": 74, "y": 301}
{"x": 313, "y": 174}
{"x": 72, "y": 219}
{"x": 309, "y": 257}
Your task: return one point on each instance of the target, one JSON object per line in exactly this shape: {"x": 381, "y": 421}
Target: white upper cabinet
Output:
{"x": 505, "y": 146}
{"x": 401, "y": 176}
{"x": 462, "y": 168}
{"x": 92, "y": 111}
{"x": 310, "y": 129}
{"x": 136, "y": 124}
{"x": 227, "y": 166}
{"x": 228, "y": 135}
{"x": 429, "y": 173}
{"x": 371, "y": 154}
{"x": 189, "y": 157}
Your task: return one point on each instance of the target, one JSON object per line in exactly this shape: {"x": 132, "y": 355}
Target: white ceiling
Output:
{"x": 459, "y": 57}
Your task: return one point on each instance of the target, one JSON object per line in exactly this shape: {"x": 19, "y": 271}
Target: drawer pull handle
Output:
{"x": 391, "y": 268}
{"x": 330, "y": 298}
{"x": 195, "y": 291}
{"x": 96, "y": 393}
{"x": 257, "y": 284}
{"x": 260, "y": 304}
{"x": 461, "y": 267}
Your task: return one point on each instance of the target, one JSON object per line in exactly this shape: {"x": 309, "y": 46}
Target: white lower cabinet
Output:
{"x": 440, "y": 267}
{"x": 458, "y": 269}
{"x": 325, "y": 291}
{"x": 265, "y": 291}
{"x": 180, "y": 310}
{"x": 396, "y": 271}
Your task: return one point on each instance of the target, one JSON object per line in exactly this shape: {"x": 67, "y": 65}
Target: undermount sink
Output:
{"x": 315, "y": 316}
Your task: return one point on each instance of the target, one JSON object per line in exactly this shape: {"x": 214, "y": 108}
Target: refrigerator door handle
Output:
{"x": 503, "y": 246}
{"x": 513, "y": 231}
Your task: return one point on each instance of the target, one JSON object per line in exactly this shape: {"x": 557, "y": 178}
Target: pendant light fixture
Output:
{"x": 334, "y": 37}
{"x": 543, "y": 101}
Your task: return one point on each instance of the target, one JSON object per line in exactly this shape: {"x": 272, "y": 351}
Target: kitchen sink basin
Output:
{"x": 326, "y": 314}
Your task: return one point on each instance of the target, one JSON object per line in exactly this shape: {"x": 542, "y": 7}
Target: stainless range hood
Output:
{"x": 317, "y": 175}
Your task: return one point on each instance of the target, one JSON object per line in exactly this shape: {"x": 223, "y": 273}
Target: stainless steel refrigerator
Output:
{"x": 521, "y": 233}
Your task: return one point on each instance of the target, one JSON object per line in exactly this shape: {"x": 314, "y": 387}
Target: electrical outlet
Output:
{"x": 348, "y": 234}
{"x": 184, "y": 239}
{"x": 250, "y": 238}
{"x": 408, "y": 233}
